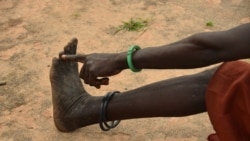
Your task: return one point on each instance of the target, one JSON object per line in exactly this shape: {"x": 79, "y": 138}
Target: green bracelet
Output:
{"x": 131, "y": 50}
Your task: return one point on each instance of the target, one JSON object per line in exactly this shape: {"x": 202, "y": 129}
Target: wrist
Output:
{"x": 121, "y": 60}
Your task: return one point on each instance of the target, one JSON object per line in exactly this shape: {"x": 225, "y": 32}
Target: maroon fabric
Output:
{"x": 213, "y": 137}
{"x": 228, "y": 102}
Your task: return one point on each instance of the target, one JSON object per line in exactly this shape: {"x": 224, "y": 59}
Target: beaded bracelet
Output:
{"x": 130, "y": 53}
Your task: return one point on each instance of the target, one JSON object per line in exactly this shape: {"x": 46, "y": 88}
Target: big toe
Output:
{"x": 73, "y": 46}
{"x": 70, "y": 48}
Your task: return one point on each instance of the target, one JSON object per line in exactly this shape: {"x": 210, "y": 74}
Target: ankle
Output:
{"x": 82, "y": 112}
{"x": 104, "y": 125}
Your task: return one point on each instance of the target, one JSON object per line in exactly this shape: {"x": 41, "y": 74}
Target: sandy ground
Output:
{"x": 33, "y": 32}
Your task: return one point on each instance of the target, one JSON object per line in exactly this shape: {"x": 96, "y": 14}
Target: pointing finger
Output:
{"x": 76, "y": 58}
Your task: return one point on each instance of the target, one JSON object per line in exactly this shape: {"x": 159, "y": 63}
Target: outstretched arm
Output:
{"x": 198, "y": 50}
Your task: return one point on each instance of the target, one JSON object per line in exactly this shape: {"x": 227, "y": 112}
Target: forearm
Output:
{"x": 183, "y": 54}
{"x": 198, "y": 50}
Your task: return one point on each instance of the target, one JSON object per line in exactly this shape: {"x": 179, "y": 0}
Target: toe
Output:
{"x": 60, "y": 54}
{"x": 73, "y": 46}
{"x": 70, "y": 48}
{"x": 67, "y": 48}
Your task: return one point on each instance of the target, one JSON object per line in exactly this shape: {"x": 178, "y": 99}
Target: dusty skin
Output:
{"x": 33, "y": 32}
{"x": 71, "y": 102}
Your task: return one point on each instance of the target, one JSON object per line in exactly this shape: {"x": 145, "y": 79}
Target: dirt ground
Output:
{"x": 33, "y": 32}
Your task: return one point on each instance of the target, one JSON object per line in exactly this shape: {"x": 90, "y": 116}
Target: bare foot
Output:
{"x": 71, "y": 103}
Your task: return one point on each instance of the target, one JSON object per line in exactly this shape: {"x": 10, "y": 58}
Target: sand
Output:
{"x": 33, "y": 32}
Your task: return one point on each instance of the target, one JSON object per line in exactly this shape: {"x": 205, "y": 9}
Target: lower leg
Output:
{"x": 75, "y": 108}
{"x": 181, "y": 96}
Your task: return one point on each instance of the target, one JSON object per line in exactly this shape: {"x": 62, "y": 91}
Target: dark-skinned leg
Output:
{"x": 75, "y": 108}
{"x": 180, "y": 96}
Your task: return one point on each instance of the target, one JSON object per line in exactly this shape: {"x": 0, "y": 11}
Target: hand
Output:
{"x": 97, "y": 67}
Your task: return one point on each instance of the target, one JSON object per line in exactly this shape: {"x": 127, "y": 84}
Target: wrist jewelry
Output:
{"x": 130, "y": 53}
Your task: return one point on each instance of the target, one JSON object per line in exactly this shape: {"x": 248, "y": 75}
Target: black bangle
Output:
{"x": 104, "y": 125}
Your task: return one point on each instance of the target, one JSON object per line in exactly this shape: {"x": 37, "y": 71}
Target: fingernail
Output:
{"x": 63, "y": 56}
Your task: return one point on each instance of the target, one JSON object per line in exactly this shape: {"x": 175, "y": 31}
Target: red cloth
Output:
{"x": 228, "y": 102}
{"x": 213, "y": 137}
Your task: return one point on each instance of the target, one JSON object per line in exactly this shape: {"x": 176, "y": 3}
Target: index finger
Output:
{"x": 76, "y": 58}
